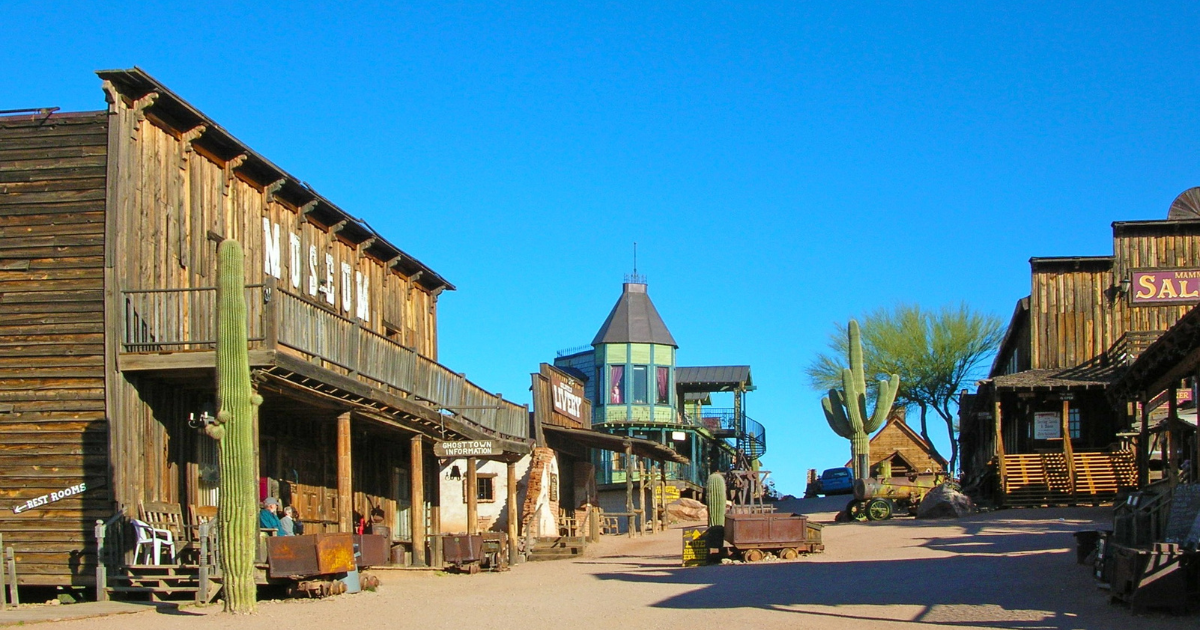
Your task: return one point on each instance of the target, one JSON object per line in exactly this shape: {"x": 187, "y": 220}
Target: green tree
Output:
{"x": 934, "y": 352}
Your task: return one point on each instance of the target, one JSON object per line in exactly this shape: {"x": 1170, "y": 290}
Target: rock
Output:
{"x": 687, "y": 510}
{"x": 945, "y": 502}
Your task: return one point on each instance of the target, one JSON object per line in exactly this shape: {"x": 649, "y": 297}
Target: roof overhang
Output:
{"x": 617, "y": 443}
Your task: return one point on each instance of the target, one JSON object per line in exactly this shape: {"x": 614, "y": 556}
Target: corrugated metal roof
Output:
{"x": 634, "y": 320}
{"x": 716, "y": 376}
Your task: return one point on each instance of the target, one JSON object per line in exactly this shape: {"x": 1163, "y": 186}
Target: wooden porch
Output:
{"x": 308, "y": 344}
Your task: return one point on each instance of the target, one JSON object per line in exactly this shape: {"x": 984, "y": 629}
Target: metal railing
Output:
{"x": 159, "y": 320}
{"x": 605, "y": 475}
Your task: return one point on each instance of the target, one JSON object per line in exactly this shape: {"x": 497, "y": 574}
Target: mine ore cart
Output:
{"x": 878, "y": 498}
{"x": 753, "y": 528}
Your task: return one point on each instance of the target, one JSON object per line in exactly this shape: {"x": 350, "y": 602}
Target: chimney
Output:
{"x": 898, "y": 413}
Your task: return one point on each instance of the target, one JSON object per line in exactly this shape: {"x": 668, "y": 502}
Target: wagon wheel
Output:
{"x": 789, "y": 554}
{"x": 752, "y": 555}
{"x": 879, "y": 510}
{"x": 856, "y": 510}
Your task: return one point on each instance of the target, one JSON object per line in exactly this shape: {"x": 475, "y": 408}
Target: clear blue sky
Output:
{"x": 782, "y": 168}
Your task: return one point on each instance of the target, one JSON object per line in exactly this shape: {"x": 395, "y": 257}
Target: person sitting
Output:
{"x": 268, "y": 517}
{"x": 290, "y": 521}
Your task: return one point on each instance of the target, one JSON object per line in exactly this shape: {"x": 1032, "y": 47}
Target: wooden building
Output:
{"x": 901, "y": 450}
{"x": 109, "y": 222}
{"x": 1086, "y": 319}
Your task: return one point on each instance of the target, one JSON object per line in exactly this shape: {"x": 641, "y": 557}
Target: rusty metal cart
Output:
{"x": 472, "y": 553}
{"x": 752, "y": 536}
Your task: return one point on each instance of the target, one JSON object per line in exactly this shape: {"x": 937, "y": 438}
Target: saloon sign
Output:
{"x": 1166, "y": 286}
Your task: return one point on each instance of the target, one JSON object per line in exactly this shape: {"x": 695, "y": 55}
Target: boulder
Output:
{"x": 945, "y": 502}
{"x": 687, "y": 510}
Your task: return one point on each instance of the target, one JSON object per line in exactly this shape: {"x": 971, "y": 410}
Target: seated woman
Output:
{"x": 290, "y": 521}
{"x": 268, "y": 517}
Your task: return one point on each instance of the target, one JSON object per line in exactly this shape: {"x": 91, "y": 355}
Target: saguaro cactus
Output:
{"x": 846, "y": 410}
{"x": 237, "y": 509}
{"x": 715, "y": 496}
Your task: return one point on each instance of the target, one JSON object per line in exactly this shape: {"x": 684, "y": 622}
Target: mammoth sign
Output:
{"x": 1166, "y": 286}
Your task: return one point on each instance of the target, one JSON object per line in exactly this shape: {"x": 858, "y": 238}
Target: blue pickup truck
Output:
{"x": 837, "y": 481}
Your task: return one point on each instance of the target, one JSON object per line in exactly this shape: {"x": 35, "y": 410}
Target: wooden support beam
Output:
{"x": 629, "y": 485}
{"x": 641, "y": 508}
{"x": 344, "y": 491}
{"x": 653, "y": 499}
{"x": 662, "y": 472}
{"x": 472, "y": 491}
{"x": 1143, "y": 446}
{"x": 1168, "y": 449}
{"x": 416, "y": 481}
{"x": 272, "y": 188}
{"x": 1068, "y": 449}
{"x": 513, "y": 513}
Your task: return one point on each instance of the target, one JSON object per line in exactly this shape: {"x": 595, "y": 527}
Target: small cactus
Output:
{"x": 715, "y": 496}
{"x": 237, "y": 510}
{"x": 846, "y": 410}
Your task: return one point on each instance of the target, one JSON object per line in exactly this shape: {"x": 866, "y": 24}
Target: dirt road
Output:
{"x": 1009, "y": 569}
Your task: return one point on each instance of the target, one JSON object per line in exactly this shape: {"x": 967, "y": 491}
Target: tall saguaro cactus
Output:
{"x": 846, "y": 410}
{"x": 237, "y": 510}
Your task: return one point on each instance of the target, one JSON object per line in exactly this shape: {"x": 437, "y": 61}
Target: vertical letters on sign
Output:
{"x": 329, "y": 297}
{"x": 312, "y": 269}
{"x": 347, "y": 288}
{"x": 361, "y": 285}
{"x": 294, "y": 261}
{"x": 271, "y": 249}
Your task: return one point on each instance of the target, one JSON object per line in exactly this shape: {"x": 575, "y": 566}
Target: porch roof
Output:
{"x": 610, "y": 442}
{"x": 1055, "y": 380}
{"x": 1172, "y": 357}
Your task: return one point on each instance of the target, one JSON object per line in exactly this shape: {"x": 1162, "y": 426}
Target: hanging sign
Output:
{"x": 567, "y": 394}
{"x": 467, "y": 448}
{"x": 47, "y": 499}
{"x": 1047, "y": 425}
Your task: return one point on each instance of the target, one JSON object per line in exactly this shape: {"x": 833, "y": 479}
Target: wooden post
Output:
{"x": 416, "y": 513}
{"x": 513, "y": 513}
{"x": 1001, "y": 468}
{"x": 1196, "y": 457}
{"x": 653, "y": 499}
{"x": 1144, "y": 446}
{"x": 1068, "y": 451}
{"x": 1168, "y": 449}
{"x": 4, "y": 582}
{"x": 662, "y": 522}
{"x": 344, "y": 491}
{"x": 270, "y": 315}
{"x": 11, "y": 560}
{"x": 629, "y": 487}
{"x": 472, "y": 491}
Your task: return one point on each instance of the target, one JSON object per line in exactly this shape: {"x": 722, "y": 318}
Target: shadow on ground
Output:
{"x": 999, "y": 574}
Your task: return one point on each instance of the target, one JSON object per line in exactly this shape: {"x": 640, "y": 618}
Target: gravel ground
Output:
{"x": 1009, "y": 569}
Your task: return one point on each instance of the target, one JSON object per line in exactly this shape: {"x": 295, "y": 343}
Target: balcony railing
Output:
{"x": 605, "y": 475}
{"x": 1129, "y": 346}
{"x": 181, "y": 320}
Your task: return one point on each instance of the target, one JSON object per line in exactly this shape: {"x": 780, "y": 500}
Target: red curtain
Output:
{"x": 662, "y": 378}
{"x": 617, "y": 384}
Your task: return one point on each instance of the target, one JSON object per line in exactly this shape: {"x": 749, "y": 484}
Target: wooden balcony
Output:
{"x": 173, "y": 329}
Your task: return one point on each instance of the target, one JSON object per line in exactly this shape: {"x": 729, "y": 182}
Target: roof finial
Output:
{"x": 634, "y": 278}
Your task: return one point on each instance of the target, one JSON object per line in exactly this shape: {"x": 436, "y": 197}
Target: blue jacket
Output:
{"x": 268, "y": 520}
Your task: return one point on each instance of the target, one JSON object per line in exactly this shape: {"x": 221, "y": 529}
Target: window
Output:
{"x": 485, "y": 488}
{"x": 641, "y": 384}
{"x": 1074, "y": 424}
{"x": 663, "y": 384}
{"x": 616, "y": 384}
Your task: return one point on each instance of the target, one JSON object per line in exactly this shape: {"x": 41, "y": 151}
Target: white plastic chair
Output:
{"x": 150, "y": 537}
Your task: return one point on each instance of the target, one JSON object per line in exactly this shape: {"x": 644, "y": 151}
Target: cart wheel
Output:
{"x": 856, "y": 510}
{"x": 879, "y": 509}
{"x": 789, "y": 554}
{"x": 752, "y": 555}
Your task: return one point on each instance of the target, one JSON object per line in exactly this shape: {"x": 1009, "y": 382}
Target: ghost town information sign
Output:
{"x": 467, "y": 448}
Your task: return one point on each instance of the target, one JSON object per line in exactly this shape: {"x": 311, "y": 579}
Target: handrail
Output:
{"x": 101, "y": 534}
{"x": 182, "y": 320}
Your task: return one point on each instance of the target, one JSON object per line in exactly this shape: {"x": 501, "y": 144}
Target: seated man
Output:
{"x": 268, "y": 518}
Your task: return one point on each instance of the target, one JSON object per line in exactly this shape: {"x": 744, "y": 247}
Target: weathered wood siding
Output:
{"x": 1163, "y": 244}
{"x": 53, "y": 432}
{"x": 1071, "y": 315}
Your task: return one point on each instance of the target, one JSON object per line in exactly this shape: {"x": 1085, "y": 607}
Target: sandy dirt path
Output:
{"x": 1010, "y": 569}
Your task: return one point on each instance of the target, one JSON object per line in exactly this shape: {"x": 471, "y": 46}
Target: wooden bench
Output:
{"x": 168, "y": 516}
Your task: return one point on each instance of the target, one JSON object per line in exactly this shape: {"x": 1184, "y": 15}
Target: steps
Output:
{"x": 165, "y": 582}
{"x": 557, "y": 548}
{"x": 1045, "y": 479}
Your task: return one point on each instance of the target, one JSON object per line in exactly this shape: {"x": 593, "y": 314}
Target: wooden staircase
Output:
{"x": 164, "y": 582}
{"x": 557, "y": 548}
{"x": 1045, "y": 479}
